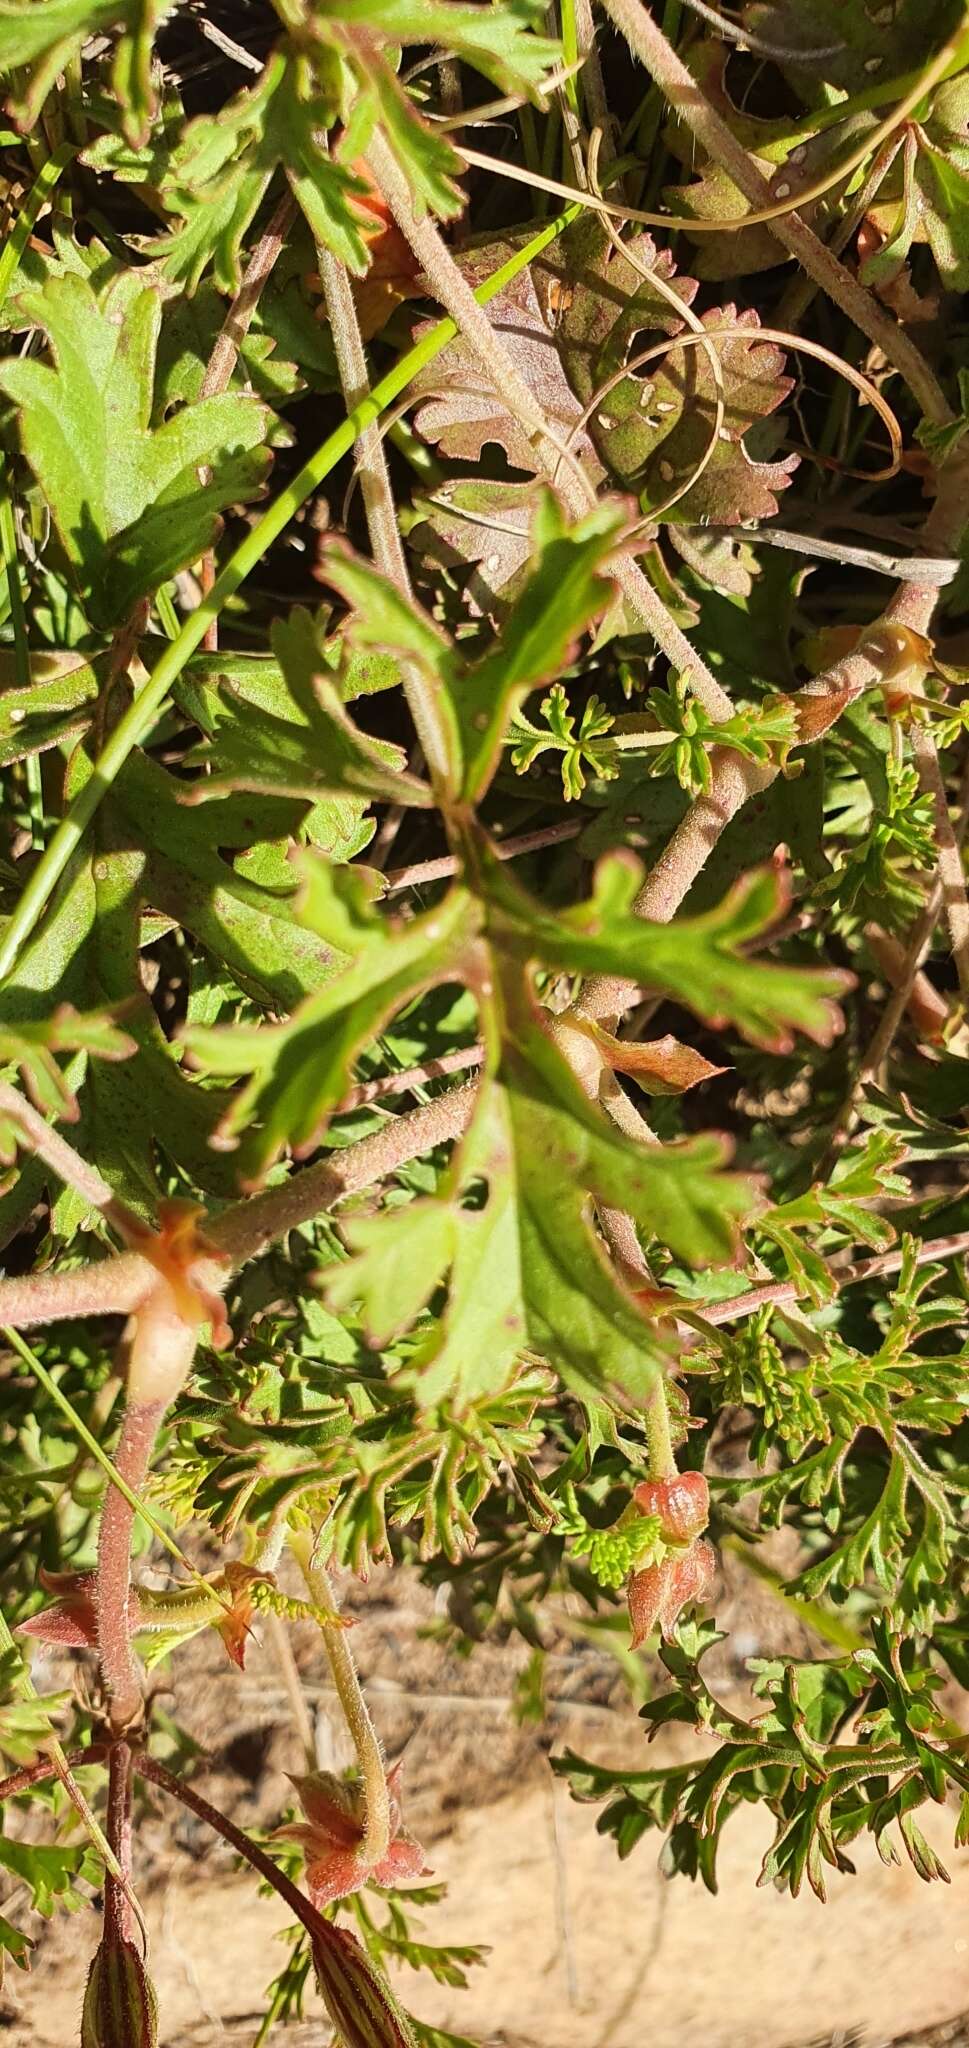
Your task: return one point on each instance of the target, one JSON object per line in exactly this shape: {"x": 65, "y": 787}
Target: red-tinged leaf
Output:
{"x": 460, "y": 410}
{"x": 662, "y": 1066}
{"x": 560, "y": 323}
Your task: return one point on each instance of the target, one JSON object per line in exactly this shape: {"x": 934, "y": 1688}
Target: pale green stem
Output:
{"x": 422, "y": 693}
{"x": 142, "y": 713}
{"x": 376, "y": 1830}
{"x": 18, "y": 620}
{"x": 293, "y": 1687}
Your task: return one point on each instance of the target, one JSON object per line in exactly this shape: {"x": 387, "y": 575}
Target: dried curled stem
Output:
{"x": 378, "y": 499}
{"x": 677, "y": 83}
{"x": 452, "y": 291}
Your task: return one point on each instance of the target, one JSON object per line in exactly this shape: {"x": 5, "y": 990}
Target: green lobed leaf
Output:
{"x": 43, "y": 36}
{"x": 696, "y": 960}
{"x": 125, "y": 495}
{"x": 218, "y": 175}
{"x": 306, "y": 744}
{"x": 502, "y": 42}
{"x": 299, "y": 1069}
{"x": 525, "y": 1264}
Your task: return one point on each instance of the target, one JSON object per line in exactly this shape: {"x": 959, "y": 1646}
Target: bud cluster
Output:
{"x": 658, "y": 1594}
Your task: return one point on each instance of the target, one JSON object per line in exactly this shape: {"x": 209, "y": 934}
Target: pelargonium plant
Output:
{"x": 484, "y": 952}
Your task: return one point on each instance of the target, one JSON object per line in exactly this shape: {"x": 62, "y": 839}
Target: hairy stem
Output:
{"x": 951, "y": 873}
{"x": 413, "y": 1077}
{"x": 800, "y": 293}
{"x": 121, "y": 1285}
{"x": 147, "y": 1767}
{"x": 46, "y": 1767}
{"x": 139, "y": 1428}
{"x": 375, "y": 1840}
{"x": 447, "y": 864}
{"x": 453, "y": 292}
{"x": 248, "y": 1227}
{"x": 423, "y": 695}
{"x": 47, "y": 1144}
{"x": 915, "y": 953}
{"x": 115, "y": 1286}
{"x": 777, "y": 1293}
{"x": 238, "y": 320}
{"x": 648, "y": 43}
{"x": 118, "y": 1924}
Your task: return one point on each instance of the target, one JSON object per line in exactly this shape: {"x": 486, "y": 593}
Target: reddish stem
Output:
{"x": 46, "y": 1767}
{"x": 450, "y": 863}
{"x": 315, "y": 1925}
{"x": 118, "y": 1921}
{"x": 119, "y": 1671}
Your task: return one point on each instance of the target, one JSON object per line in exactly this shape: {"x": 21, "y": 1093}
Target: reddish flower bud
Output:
{"x": 682, "y": 1504}
{"x": 357, "y": 1996}
{"x": 332, "y": 1834}
{"x": 72, "y": 1620}
{"x": 120, "y": 2008}
{"x": 235, "y": 1622}
{"x": 658, "y": 1595}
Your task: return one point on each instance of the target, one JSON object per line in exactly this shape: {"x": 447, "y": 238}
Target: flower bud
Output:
{"x": 658, "y": 1595}
{"x": 357, "y": 1997}
{"x": 332, "y": 1838}
{"x": 120, "y": 2008}
{"x": 681, "y": 1503}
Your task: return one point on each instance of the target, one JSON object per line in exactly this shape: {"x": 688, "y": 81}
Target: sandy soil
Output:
{"x": 585, "y": 1950}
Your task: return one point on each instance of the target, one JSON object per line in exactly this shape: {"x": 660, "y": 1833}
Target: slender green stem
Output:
{"x": 40, "y": 192}
{"x": 376, "y": 1827}
{"x": 142, "y": 713}
{"x": 60, "y": 1766}
{"x": 166, "y": 611}
{"x": 570, "y": 48}
{"x": 80, "y": 1428}
{"x": 21, "y": 649}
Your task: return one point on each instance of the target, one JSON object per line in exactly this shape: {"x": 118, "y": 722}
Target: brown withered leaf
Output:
{"x": 653, "y": 429}
{"x": 662, "y": 1066}
{"x": 571, "y": 322}
{"x": 460, "y": 410}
